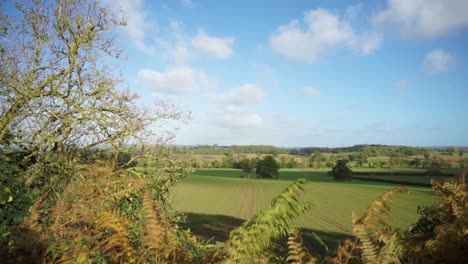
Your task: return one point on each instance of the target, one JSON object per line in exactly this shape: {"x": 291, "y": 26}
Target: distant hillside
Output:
{"x": 370, "y": 150}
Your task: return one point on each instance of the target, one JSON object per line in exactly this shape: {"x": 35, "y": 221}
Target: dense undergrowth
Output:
{"x": 101, "y": 213}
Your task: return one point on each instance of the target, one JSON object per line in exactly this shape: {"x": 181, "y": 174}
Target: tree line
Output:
{"x": 371, "y": 150}
{"x": 319, "y": 160}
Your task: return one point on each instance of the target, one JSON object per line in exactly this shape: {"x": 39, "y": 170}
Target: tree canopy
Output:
{"x": 268, "y": 167}
{"x": 59, "y": 88}
{"x": 341, "y": 172}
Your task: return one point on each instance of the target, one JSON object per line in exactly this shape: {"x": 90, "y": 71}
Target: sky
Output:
{"x": 303, "y": 73}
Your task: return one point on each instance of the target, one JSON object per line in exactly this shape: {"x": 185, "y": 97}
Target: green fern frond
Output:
{"x": 320, "y": 242}
{"x": 249, "y": 242}
{"x": 374, "y": 234}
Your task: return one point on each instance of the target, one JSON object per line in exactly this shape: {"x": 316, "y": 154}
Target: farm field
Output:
{"x": 217, "y": 200}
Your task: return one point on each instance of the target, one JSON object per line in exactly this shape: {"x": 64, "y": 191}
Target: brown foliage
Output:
{"x": 346, "y": 252}
{"x": 160, "y": 239}
{"x": 297, "y": 253}
{"x": 448, "y": 241}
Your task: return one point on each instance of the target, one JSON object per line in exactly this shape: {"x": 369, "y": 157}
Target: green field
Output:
{"x": 217, "y": 200}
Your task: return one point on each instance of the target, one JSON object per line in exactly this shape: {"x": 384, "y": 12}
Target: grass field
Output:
{"x": 217, "y": 200}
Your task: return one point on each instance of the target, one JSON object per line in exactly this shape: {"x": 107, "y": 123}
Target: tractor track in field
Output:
{"x": 247, "y": 201}
{"x": 232, "y": 211}
{"x": 243, "y": 199}
{"x": 252, "y": 201}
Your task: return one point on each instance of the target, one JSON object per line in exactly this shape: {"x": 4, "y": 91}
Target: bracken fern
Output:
{"x": 441, "y": 233}
{"x": 115, "y": 238}
{"x": 377, "y": 239}
{"x": 159, "y": 236}
{"x": 297, "y": 253}
{"x": 252, "y": 241}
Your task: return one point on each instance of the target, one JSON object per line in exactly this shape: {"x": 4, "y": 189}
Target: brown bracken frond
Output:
{"x": 346, "y": 252}
{"x": 160, "y": 239}
{"x": 297, "y": 253}
{"x": 115, "y": 238}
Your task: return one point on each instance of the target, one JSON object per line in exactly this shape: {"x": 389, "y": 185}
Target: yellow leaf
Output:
{"x": 10, "y": 198}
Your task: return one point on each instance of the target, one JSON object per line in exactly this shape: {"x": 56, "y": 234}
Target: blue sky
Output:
{"x": 304, "y": 73}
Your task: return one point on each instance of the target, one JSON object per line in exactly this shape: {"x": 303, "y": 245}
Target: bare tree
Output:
{"x": 59, "y": 84}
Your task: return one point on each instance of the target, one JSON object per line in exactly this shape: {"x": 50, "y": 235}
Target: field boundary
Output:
{"x": 393, "y": 181}
{"x": 410, "y": 174}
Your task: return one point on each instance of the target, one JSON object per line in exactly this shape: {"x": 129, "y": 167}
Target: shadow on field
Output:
{"x": 217, "y": 228}
{"x": 212, "y": 226}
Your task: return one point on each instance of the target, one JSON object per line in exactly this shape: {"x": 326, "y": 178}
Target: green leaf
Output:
{"x": 35, "y": 192}
{"x": 81, "y": 258}
{"x": 18, "y": 219}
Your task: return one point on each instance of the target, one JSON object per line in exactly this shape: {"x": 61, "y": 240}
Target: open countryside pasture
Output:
{"x": 211, "y": 194}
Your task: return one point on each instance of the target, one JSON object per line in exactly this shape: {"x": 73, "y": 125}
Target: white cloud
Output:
{"x": 246, "y": 94}
{"x": 180, "y": 53}
{"x": 230, "y": 111}
{"x": 367, "y": 43}
{"x": 177, "y": 80}
{"x": 138, "y": 23}
{"x": 424, "y": 18}
{"x": 234, "y": 117}
{"x": 323, "y": 32}
{"x": 311, "y": 91}
{"x": 438, "y": 61}
{"x": 220, "y": 48}
{"x": 173, "y": 44}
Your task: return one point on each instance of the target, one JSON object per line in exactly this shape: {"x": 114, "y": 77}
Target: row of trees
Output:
{"x": 319, "y": 160}
{"x": 366, "y": 150}
{"x": 233, "y": 149}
